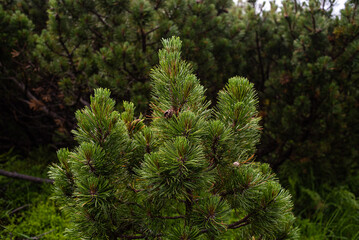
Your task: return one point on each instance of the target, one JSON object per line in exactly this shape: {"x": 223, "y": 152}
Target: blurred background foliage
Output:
{"x": 303, "y": 60}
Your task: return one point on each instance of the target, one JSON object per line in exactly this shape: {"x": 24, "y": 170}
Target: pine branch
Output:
{"x": 244, "y": 221}
{"x": 32, "y": 97}
{"x": 158, "y": 2}
{"x": 189, "y": 206}
{"x": 137, "y": 237}
{"x": 132, "y": 237}
{"x": 100, "y": 17}
{"x": 261, "y": 64}
{"x": 62, "y": 42}
{"x": 169, "y": 217}
{"x": 152, "y": 30}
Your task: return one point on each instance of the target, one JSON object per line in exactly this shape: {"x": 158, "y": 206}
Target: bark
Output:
{"x": 25, "y": 177}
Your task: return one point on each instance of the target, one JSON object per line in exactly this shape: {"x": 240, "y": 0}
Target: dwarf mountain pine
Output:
{"x": 186, "y": 172}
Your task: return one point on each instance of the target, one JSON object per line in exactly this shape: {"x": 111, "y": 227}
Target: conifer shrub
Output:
{"x": 303, "y": 60}
{"x": 16, "y": 42}
{"x": 77, "y": 46}
{"x": 186, "y": 172}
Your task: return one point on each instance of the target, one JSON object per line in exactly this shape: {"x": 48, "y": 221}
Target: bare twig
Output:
{"x": 100, "y": 17}
{"x": 32, "y": 97}
{"x": 152, "y": 30}
{"x": 243, "y": 222}
{"x": 240, "y": 223}
{"x": 24, "y": 177}
{"x": 84, "y": 102}
{"x": 137, "y": 237}
{"x": 169, "y": 217}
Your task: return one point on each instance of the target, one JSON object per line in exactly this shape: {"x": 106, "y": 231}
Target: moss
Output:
{"x": 26, "y": 209}
{"x": 42, "y": 218}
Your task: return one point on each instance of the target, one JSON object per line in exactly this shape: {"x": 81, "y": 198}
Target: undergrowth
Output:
{"x": 26, "y": 211}
{"x": 324, "y": 209}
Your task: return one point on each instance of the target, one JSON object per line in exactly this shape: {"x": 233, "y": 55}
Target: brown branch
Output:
{"x": 158, "y": 2}
{"x": 343, "y": 50}
{"x": 152, "y": 30}
{"x": 137, "y": 237}
{"x": 53, "y": 50}
{"x": 323, "y": 5}
{"x": 32, "y": 97}
{"x": 132, "y": 237}
{"x": 240, "y": 225}
{"x": 62, "y": 42}
{"x": 25, "y": 177}
{"x": 143, "y": 39}
{"x": 189, "y": 206}
{"x": 290, "y": 27}
{"x": 100, "y": 17}
{"x": 244, "y": 221}
{"x": 84, "y": 102}
{"x": 313, "y": 21}
{"x": 169, "y": 217}
{"x": 258, "y": 48}
{"x": 295, "y": 6}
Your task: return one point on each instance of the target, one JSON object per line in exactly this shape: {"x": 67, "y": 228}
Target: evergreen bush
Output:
{"x": 187, "y": 174}
{"x": 303, "y": 60}
{"x": 77, "y": 46}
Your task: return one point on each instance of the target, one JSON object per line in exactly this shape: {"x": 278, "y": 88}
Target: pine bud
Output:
{"x": 168, "y": 113}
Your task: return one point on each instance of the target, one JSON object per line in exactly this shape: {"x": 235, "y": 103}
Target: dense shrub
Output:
{"x": 181, "y": 176}
{"x": 302, "y": 60}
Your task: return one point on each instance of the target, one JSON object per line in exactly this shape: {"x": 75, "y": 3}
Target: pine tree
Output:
{"x": 310, "y": 100}
{"x": 16, "y": 43}
{"x": 187, "y": 174}
{"x": 89, "y": 44}
{"x": 304, "y": 63}
{"x": 35, "y": 10}
{"x": 78, "y": 46}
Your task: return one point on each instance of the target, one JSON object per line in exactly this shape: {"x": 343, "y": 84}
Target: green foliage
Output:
{"x": 176, "y": 177}
{"x": 335, "y": 217}
{"x": 307, "y": 61}
{"x": 323, "y": 212}
{"x": 21, "y": 124}
{"x": 35, "y": 10}
{"x": 42, "y": 218}
{"x": 90, "y": 44}
{"x": 302, "y": 60}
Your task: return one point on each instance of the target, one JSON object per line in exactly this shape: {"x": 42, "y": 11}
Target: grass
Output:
{"x": 26, "y": 210}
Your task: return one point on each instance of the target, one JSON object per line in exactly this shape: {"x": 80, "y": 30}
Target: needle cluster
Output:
{"x": 188, "y": 174}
